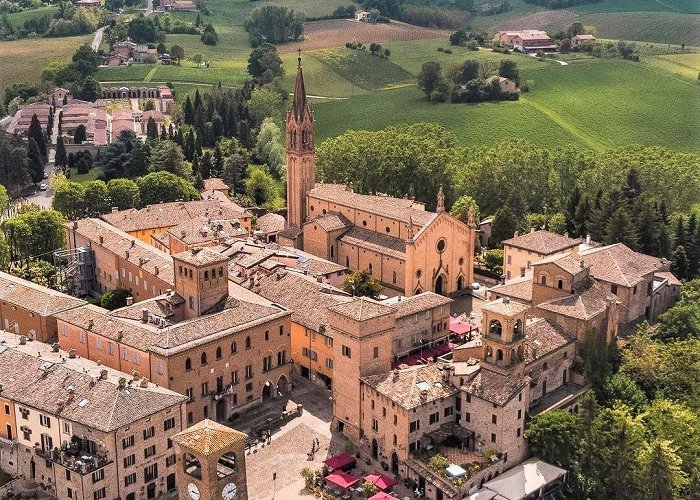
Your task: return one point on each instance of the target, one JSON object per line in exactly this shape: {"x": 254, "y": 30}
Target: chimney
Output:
{"x": 122, "y": 382}
{"x": 102, "y": 240}
{"x": 141, "y": 261}
{"x": 588, "y": 239}
{"x": 71, "y": 353}
{"x": 54, "y": 347}
{"x": 103, "y": 374}
{"x": 522, "y": 271}
{"x": 144, "y": 315}
{"x": 566, "y": 234}
{"x": 396, "y": 375}
{"x": 515, "y": 234}
{"x": 144, "y": 383}
{"x": 168, "y": 291}
{"x": 133, "y": 243}
{"x": 183, "y": 234}
{"x": 115, "y": 209}
{"x": 503, "y": 279}
{"x": 424, "y": 395}
{"x": 23, "y": 340}
{"x": 126, "y": 254}
{"x": 532, "y": 230}
{"x": 506, "y": 300}
{"x": 156, "y": 270}
{"x": 91, "y": 323}
{"x": 120, "y": 335}
{"x": 135, "y": 374}
{"x": 130, "y": 301}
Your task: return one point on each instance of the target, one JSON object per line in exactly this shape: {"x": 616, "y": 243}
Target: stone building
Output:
{"x": 83, "y": 430}
{"x": 522, "y": 250}
{"x": 409, "y": 249}
{"x": 212, "y": 340}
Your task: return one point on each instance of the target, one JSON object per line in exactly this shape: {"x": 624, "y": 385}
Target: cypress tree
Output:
{"x": 36, "y": 132}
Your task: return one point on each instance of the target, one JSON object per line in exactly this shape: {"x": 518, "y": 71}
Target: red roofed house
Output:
{"x": 526, "y": 40}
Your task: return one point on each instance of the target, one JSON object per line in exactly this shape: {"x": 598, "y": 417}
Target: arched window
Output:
{"x": 248, "y": 343}
{"x": 495, "y": 327}
{"x": 543, "y": 279}
{"x": 560, "y": 284}
{"x": 281, "y": 357}
{"x": 332, "y": 251}
{"x": 518, "y": 328}
{"x": 218, "y": 353}
{"x": 489, "y": 351}
{"x": 370, "y": 268}
{"x": 281, "y": 329}
{"x": 192, "y": 466}
{"x": 221, "y": 272}
{"x": 206, "y": 275}
{"x": 393, "y": 277}
{"x": 226, "y": 465}
{"x": 347, "y": 261}
{"x": 188, "y": 364}
{"x": 499, "y": 355}
{"x": 204, "y": 358}
{"x": 234, "y": 347}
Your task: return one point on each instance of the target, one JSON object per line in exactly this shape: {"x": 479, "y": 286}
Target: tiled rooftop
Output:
{"x": 402, "y": 209}
{"x": 126, "y": 246}
{"x": 72, "y": 387}
{"x": 331, "y": 222}
{"x": 505, "y": 306}
{"x": 542, "y": 242}
{"x": 201, "y": 257}
{"x": 215, "y": 183}
{"x": 208, "y": 437}
{"x": 270, "y": 223}
{"x": 543, "y": 336}
{"x": 376, "y": 242}
{"x": 35, "y": 298}
{"x": 166, "y": 215}
{"x": 362, "y": 308}
{"x": 588, "y": 300}
{"x": 404, "y": 387}
{"x": 620, "y": 265}
{"x": 519, "y": 288}
{"x": 494, "y": 387}
{"x": 408, "y": 306}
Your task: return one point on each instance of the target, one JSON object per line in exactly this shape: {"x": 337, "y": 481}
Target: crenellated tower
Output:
{"x": 301, "y": 166}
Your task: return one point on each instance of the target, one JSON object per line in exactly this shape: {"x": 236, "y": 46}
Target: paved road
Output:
{"x": 98, "y": 38}
{"x": 149, "y": 8}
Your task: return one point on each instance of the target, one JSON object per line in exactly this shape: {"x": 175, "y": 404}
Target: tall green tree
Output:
{"x": 361, "y": 284}
{"x": 167, "y": 156}
{"x": 122, "y": 193}
{"x": 36, "y": 132}
{"x": 264, "y": 64}
{"x": 69, "y": 199}
{"x": 95, "y": 198}
{"x": 80, "y": 134}
{"x": 661, "y": 468}
{"x": 554, "y": 437}
{"x": 151, "y": 129}
{"x": 430, "y": 77}
{"x": 60, "y": 159}
{"x": 162, "y": 186}
{"x": 36, "y": 161}
{"x": 504, "y": 225}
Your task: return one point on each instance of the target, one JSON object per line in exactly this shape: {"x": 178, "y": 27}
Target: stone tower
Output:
{"x": 201, "y": 279}
{"x": 301, "y": 166}
{"x": 211, "y": 463}
{"x": 503, "y": 336}
{"x": 362, "y": 341}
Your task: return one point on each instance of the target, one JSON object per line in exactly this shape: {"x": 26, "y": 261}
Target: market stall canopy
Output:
{"x": 380, "y": 481}
{"x": 340, "y": 461}
{"x": 342, "y": 479}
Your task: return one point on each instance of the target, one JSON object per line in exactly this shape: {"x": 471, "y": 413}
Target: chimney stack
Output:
{"x": 522, "y": 271}
{"x": 144, "y": 315}
{"x": 122, "y": 382}
{"x": 103, "y": 374}
{"x": 22, "y": 340}
{"x": 71, "y": 353}
{"x": 102, "y": 239}
{"x": 115, "y": 209}
{"x": 130, "y": 300}
{"x": 424, "y": 395}
{"x": 54, "y": 347}
{"x": 506, "y": 300}
{"x": 588, "y": 239}
{"x": 396, "y": 375}
{"x": 91, "y": 323}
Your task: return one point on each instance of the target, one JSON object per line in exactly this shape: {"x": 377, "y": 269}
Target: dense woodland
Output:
{"x": 647, "y": 198}
{"x": 637, "y": 433}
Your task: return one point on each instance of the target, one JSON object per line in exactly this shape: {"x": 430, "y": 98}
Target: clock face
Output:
{"x": 229, "y": 492}
{"x": 193, "y": 491}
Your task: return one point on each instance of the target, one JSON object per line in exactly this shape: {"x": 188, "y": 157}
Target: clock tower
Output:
{"x": 211, "y": 463}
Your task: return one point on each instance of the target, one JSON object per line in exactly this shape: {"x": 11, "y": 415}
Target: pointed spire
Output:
{"x": 441, "y": 200}
{"x": 299, "y": 91}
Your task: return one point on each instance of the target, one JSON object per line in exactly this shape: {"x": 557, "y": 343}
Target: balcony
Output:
{"x": 75, "y": 457}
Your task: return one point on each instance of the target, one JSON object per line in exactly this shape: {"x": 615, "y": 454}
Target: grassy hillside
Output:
{"x": 593, "y": 103}
{"x": 24, "y": 60}
{"x": 19, "y": 18}
{"x": 689, "y": 6}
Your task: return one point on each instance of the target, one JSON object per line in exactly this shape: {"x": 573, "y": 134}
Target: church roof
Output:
{"x": 376, "y": 242}
{"x": 208, "y": 437}
{"x": 402, "y": 209}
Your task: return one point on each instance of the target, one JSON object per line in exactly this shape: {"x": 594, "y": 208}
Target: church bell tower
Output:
{"x": 301, "y": 166}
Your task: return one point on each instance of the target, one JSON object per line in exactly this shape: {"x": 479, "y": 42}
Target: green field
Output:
{"x": 593, "y": 103}
{"x": 691, "y": 6}
{"x": 19, "y": 18}
{"x": 24, "y": 60}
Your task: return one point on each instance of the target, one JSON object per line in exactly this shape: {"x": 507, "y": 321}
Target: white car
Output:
{"x": 43, "y": 187}
{"x": 475, "y": 286}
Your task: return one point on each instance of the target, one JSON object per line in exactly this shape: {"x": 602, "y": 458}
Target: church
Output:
{"x": 406, "y": 247}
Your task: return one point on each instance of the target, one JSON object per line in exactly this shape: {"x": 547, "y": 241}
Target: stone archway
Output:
{"x": 460, "y": 283}
{"x": 267, "y": 391}
{"x": 439, "y": 284}
{"x": 282, "y": 385}
{"x": 394, "y": 463}
{"x": 375, "y": 449}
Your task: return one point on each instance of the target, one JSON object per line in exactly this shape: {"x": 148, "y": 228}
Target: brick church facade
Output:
{"x": 407, "y": 248}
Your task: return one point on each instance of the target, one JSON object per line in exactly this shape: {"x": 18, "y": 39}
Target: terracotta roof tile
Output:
{"x": 35, "y": 298}
{"x": 331, "y": 222}
{"x": 542, "y": 242}
{"x": 402, "y": 209}
{"x": 404, "y": 387}
{"x": 620, "y": 265}
{"x": 362, "y": 308}
{"x": 409, "y": 306}
{"x": 494, "y": 387}
{"x": 543, "y": 336}
{"x": 517, "y": 288}
{"x": 215, "y": 183}
{"x": 208, "y": 437}
{"x": 270, "y": 223}
{"x": 588, "y": 300}
{"x": 376, "y": 242}
{"x": 201, "y": 257}
{"x": 505, "y": 306}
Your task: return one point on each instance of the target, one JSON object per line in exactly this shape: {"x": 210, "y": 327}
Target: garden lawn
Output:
{"x": 92, "y": 175}
{"x": 686, "y": 65}
{"x": 691, "y": 6}
{"x": 24, "y": 60}
{"x": 133, "y": 73}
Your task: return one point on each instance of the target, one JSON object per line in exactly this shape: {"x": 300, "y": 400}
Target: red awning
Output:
{"x": 382, "y": 496}
{"x": 459, "y": 327}
{"x": 339, "y": 461}
{"x": 380, "y": 481}
{"x": 342, "y": 479}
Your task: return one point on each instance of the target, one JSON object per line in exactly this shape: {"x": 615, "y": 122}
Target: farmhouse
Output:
{"x": 526, "y": 40}
{"x": 177, "y": 6}
{"x": 582, "y": 40}
{"x": 362, "y": 15}
{"x": 88, "y": 4}
{"x": 89, "y": 114}
{"x": 506, "y": 84}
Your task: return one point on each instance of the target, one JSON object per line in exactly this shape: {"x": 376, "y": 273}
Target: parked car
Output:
{"x": 46, "y": 175}
{"x": 43, "y": 187}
